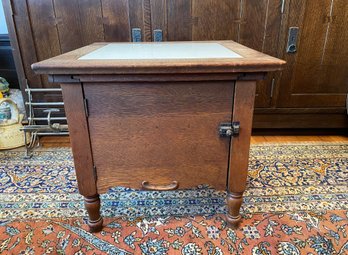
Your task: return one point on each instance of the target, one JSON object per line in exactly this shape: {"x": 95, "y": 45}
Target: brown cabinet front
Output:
{"x": 159, "y": 133}
{"x": 317, "y": 74}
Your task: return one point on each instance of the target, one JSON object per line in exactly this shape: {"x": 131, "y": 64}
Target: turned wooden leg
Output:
{"x": 243, "y": 106}
{"x": 234, "y": 202}
{"x": 95, "y": 221}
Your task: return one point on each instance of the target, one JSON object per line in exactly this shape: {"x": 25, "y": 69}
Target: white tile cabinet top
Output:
{"x": 138, "y": 51}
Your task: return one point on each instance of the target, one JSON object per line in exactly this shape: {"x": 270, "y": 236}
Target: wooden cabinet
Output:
{"x": 317, "y": 74}
{"x": 160, "y": 116}
{"x": 313, "y": 86}
{"x": 312, "y": 90}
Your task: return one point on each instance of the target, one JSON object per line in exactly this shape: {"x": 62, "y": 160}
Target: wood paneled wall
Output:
{"x": 46, "y": 28}
{"x": 314, "y": 82}
{"x": 317, "y": 75}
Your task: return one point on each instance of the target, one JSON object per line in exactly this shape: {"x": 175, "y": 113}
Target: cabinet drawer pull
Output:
{"x": 147, "y": 186}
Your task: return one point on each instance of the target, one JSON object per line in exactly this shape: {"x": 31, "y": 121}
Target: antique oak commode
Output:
{"x": 159, "y": 116}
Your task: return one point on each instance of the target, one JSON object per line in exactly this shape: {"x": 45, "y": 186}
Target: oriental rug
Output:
{"x": 295, "y": 203}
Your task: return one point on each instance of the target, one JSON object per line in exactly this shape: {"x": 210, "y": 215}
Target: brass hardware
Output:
{"x": 147, "y": 186}
{"x": 229, "y": 129}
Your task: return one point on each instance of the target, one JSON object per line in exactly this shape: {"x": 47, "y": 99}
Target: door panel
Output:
{"x": 215, "y": 20}
{"x": 179, "y": 20}
{"x": 335, "y": 60}
{"x": 116, "y": 20}
{"x": 259, "y": 30}
{"x": 79, "y": 23}
{"x": 159, "y": 133}
{"x": 316, "y": 75}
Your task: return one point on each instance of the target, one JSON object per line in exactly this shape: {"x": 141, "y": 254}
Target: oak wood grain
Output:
{"x": 147, "y": 21}
{"x": 116, "y": 20}
{"x": 79, "y": 23}
{"x": 159, "y": 17}
{"x": 79, "y": 138}
{"x": 179, "y": 20}
{"x": 215, "y": 19}
{"x": 68, "y": 24}
{"x": 335, "y": 58}
{"x": 243, "y": 108}
{"x": 44, "y": 29}
{"x": 271, "y": 46}
{"x": 159, "y": 133}
{"x": 136, "y": 16}
{"x": 315, "y": 77}
{"x": 26, "y": 46}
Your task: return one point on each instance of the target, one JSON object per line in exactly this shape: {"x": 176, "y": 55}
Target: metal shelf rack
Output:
{"x": 50, "y": 126}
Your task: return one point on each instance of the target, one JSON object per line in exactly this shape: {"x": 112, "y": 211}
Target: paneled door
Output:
{"x": 317, "y": 74}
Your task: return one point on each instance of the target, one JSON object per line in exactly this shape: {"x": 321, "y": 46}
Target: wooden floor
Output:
{"x": 63, "y": 141}
{"x": 284, "y": 139}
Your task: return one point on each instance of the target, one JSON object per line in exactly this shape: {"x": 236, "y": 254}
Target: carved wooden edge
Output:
{"x": 243, "y": 107}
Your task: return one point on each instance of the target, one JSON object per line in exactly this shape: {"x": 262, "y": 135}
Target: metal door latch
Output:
{"x": 229, "y": 129}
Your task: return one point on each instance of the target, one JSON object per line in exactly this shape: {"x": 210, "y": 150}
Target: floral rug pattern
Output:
{"x": 295, "y": 203}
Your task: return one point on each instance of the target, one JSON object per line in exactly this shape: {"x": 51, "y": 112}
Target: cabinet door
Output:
{"x": 316, "y": 75}
{"x": 159, "y": 133}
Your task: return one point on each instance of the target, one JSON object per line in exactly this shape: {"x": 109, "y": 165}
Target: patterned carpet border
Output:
{"x": 282, "y": 177}
{"x": 295, "y": 203}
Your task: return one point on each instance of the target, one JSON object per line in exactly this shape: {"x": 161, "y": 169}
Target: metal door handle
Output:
{"x": 147, "y": 186}
{"x": 292, "y": 40}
